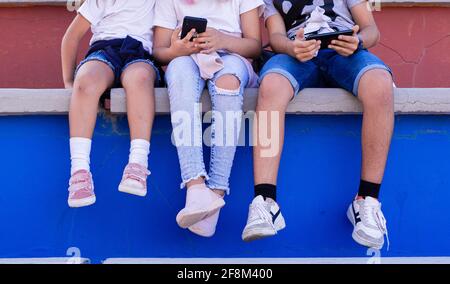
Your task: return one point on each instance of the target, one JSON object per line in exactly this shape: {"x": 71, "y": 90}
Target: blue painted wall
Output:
{"x": 319, "y": 177}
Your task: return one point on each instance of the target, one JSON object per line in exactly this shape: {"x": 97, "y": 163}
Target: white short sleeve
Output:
{"x": 165, "y": 14}
{"x": 269, "y": 10}
{"x": 248, "y": 5}
{"x": 92, "y": 11}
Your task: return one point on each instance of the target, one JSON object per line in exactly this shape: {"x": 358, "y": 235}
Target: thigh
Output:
{"x": 184, "y": 83}
{"x": 346, "y": 72}
{"x": 300, "y": 74}
{"x": 183, "y": 78}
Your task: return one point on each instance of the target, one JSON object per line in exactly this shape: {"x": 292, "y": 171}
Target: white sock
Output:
{"x": 139, "y": 151}
{"x": 80, "y": 150}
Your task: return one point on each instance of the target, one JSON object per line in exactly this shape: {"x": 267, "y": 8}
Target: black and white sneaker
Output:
{"x": 369, "y": 223}
{"x": 264, "y": 219}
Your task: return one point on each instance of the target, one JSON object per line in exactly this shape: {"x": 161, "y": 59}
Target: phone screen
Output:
{"x": 189, "y": 23}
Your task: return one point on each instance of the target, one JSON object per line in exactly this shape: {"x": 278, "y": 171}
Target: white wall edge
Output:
{"x": 425, "y": 101}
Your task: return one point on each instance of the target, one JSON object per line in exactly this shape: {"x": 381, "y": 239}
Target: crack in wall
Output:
{"x": 418, "y": 62}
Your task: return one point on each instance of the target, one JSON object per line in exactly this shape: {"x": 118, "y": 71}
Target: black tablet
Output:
{"x": 326, "y": 38}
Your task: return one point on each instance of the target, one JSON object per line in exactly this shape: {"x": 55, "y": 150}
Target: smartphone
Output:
{"x": 326, "y": 38}
{"x": 189, "y": 23}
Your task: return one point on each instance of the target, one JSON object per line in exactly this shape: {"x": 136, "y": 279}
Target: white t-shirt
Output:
{"x": 222, "y": 15}
{"x": 117, "y": 19}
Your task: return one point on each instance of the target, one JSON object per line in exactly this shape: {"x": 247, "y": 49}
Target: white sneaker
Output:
{"x": 201, "y": 203}
{"x": 369, "y": 223}
{"x": 264, "y": 219}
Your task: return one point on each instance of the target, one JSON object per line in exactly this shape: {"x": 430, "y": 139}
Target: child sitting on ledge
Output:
{"x": 119, "y": 55}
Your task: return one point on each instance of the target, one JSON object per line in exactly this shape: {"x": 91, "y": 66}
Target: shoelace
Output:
{"x": 380, "y": 220}
{"x": 259, "y": 210}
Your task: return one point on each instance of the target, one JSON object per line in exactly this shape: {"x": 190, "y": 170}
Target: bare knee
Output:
{"x": 87, "y": 84}
{"x": 228, "y": 82}
{"x": 138, "y": 76}
{"x": 376, "y": 90}
{"x": 275, "y": 89}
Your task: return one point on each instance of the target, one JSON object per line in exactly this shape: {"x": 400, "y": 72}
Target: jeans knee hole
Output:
{"x": 225, "y": 92}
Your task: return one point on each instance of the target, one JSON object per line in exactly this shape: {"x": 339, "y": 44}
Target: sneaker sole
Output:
{"x": 357, "y": 238}
{"x": 186, "y": 220}
{"x": 200, "y": 233}
{"x": 82, "y": 202}
{"x": 132, "y": 191}
{"x": 253, "y": 235}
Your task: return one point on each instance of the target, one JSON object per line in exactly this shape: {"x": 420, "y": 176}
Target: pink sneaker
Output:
{"x": 81, "y": 189}
{"x": 206, "y": 227}
{"x": 201, "y": 203}
{"x": 134, "y": 180}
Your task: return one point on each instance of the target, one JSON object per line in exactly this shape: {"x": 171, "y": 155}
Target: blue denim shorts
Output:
{"x": 117, "y": 70}
{"x": 327, "y": 69}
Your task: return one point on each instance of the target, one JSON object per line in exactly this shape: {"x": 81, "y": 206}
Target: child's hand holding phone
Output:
{"x": 210, "y": 41}
{"x": 183, "y": 46}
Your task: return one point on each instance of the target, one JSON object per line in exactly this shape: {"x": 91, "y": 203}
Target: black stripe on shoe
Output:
{"x": 275, "y": 216}
{"x": 355, "y": 215}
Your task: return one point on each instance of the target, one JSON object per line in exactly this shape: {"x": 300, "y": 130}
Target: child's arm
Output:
{"x": 168, "y": 45}
{"x": 301, "y": 49}
{"x": 366, "y": 30}
{"x": 279, "y": 42}
{"x": 248, "y": 46}
{"x": 69, "y": 48}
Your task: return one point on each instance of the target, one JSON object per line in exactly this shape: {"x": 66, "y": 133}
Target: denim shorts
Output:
{"x": 118, "y": 70}
{"x": 327, "y": 69}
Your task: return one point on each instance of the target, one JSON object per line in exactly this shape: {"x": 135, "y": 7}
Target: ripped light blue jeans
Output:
{"x": 185, "y": 87}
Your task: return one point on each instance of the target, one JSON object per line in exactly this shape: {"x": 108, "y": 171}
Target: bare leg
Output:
{"x": 92, "y": 80}
{"x": 138, "y": 81}
{"x": 200, "y": 180}
{"x": 275, "y": 94}
{"x": 376, "y": 94}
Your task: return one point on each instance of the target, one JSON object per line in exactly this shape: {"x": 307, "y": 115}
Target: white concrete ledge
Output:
{"x": 34, "y": 101}
{"x": 310, "y": 101}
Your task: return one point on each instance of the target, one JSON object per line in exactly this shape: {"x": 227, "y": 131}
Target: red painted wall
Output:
{"x": 415, "y": 43}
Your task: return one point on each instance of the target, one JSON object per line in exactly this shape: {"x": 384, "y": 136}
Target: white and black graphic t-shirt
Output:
{"x": 296, "y": 12}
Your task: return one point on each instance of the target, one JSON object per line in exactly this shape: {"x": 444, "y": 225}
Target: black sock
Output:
{"x": 369, "y": 189}
{"x": 266, "y": 190}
